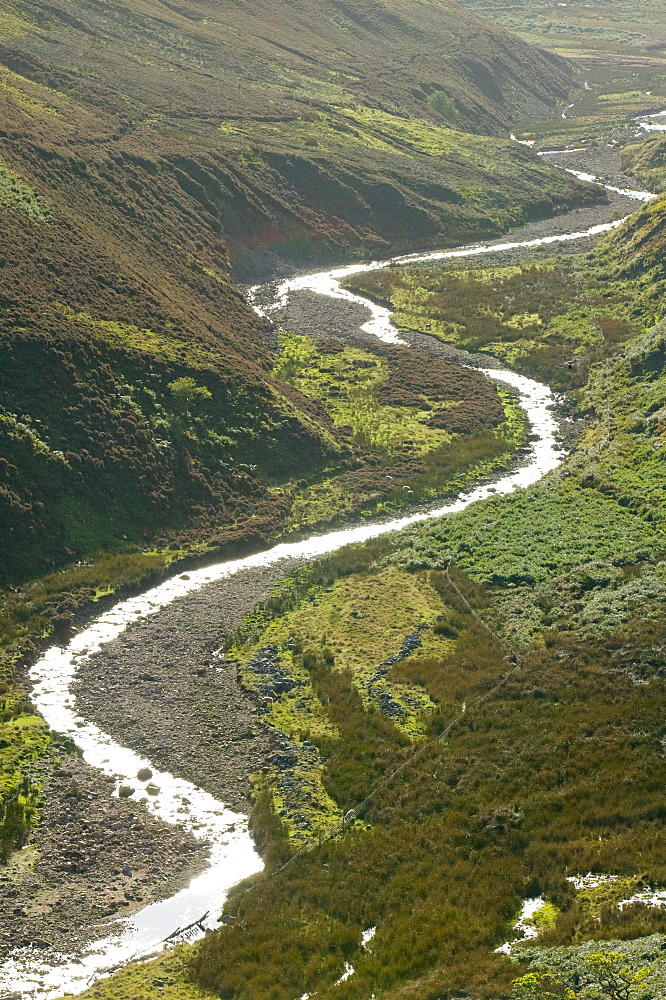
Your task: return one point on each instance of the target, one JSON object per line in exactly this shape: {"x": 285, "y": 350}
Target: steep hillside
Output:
{"x": 634, "y": 259}
{"x": 289, "y": 129}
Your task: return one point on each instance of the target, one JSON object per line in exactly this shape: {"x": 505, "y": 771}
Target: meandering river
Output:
{"x": 232, "y": 857}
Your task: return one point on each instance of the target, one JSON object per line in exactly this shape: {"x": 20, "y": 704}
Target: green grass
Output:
{"x": 15, "y": 193}
{"x": 551, "y": 319}
{"x": 23, "y": 737}
{"x": 367, "y": 622}
{"x": 402, "y": 446}
{"x": 165, "y": 976}
{"x": 347, "y": 383}
{"x": 647, "y": 161}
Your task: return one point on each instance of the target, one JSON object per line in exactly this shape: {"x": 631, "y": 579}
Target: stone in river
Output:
{"x": 144, "y": 774}
{"x": 125, "y": 791}
{"x": 153, "y": 789}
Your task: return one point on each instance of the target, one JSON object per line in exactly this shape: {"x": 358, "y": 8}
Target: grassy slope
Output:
{"x": 647, "y": 160}
{"x": 120, "y": 198}
{"x": 117, "y": 201}
{"x": 558, "y": 773}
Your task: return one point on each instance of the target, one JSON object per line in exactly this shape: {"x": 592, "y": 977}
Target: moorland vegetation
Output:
{"x": 555, "y": 594}
{"x": 150, "y": 156}
{"x": 616, "y": 48}
{"x": 554, "y": 318}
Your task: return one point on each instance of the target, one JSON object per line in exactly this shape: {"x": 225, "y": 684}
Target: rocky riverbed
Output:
{"x": 164, "y": 689}
{"x": 93, "y": 857}
{"x": 161, "y": 690}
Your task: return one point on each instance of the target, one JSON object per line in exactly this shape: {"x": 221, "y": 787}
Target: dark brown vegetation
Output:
{"x": 416, "y": 374}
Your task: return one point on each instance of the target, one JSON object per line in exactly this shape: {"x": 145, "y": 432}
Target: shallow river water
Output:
{"x": 43, "y": 974}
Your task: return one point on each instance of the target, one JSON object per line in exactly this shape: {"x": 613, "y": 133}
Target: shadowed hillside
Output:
{"x": 299, "y": 129}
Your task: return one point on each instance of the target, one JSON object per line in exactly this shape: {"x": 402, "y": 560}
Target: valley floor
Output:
{"x": 188, "y": 718}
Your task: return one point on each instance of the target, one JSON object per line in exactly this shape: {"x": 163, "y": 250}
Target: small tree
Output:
{"x": 186, "y": 393}
{"x": 612, "y": 977}
{"x": 602, "y": 976}
{"x": 443, "y": 105}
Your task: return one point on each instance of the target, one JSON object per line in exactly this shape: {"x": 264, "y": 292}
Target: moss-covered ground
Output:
{"x": 424, "y": 428}
{"x": 351, "y": 633}
{"x": 23, "y": 736}
{"x": 551, "y": 318}
{"x": 14, "y": 191}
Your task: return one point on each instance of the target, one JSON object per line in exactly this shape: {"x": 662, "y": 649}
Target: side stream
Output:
{"x": 45, "y": 974}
